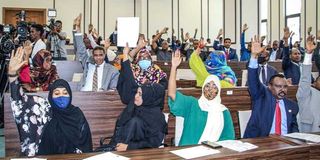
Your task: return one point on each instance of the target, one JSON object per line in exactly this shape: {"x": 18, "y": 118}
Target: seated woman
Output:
{"x": 205, "y": 119}
{"x": 142, "y": 123}
{"x": 214, "y": 65}
{"x": 52, "y": 126}
{"x": 41, "y": 75}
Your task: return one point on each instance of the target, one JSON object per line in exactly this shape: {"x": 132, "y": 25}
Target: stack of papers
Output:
{"x": 237, "y": 145}
{"x": 195, "y": 152}
{"x": 305, "y": 136}
{"x": 107, "y": 155}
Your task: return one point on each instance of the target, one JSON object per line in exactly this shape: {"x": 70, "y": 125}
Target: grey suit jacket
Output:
{"x": 110, "y": 73}
{"x": 308, "y": 101}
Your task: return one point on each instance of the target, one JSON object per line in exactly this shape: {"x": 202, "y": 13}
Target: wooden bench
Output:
{"x": 237, "y": 67}
{"x": 102, "y": 109}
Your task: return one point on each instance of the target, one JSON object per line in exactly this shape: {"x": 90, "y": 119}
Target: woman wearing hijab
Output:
{"x": 42, "y": 74}
{"x": 47, "y": 126}
{"x": 142, "y": 123}
{"x": 205, "y": 119}
{"x": 214, "y": 65}
{"x": 134, "y": 75}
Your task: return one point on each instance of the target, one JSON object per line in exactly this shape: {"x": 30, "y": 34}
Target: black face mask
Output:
{"x": 261, "y": 59}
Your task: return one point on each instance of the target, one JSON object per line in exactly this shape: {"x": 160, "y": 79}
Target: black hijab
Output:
{"x": 150, "y": 110}
{"x": 68, "y": 131}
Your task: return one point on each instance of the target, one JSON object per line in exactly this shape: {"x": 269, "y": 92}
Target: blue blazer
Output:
{"x": 232, "y": 52}
{"x": 263, "y": 109}
{"x": 290, "y": 69}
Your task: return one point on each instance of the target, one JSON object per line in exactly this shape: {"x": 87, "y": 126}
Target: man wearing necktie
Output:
{"x": 231, "y": 53}
{"x": 272, "y": 112}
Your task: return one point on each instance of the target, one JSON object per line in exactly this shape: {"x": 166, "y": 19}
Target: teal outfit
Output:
{"x": 195, "y": 119}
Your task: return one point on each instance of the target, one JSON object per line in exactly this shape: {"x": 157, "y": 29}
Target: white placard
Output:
{"x": 107, "y": 155}
{"x": 128, "y": 31}
{"x": 195, "y": 152}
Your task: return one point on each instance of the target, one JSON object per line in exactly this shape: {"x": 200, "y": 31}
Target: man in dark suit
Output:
{"x": 231, "y": 54}
{"x": 272, "y": 112}
{"x": 276, "y": 52}
{"x": 265, "y": 71}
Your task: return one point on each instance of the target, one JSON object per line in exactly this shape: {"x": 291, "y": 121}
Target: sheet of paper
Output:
{"x": 305, "y": 136}
{"x": 28, "y": 159}
{"x": 195, "y": 152}
{"x": 128, "y": 31}
{"x": 107, "y": 155}
{"x": 237, "y": 145}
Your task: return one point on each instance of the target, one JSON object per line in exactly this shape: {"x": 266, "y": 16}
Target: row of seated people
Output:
{"x": 142, "y": 123}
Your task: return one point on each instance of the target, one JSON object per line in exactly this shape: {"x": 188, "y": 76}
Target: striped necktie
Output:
{"x": 95, "y": 79}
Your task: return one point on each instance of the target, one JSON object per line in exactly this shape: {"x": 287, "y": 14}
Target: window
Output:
{"x": 293, "y": 12}
{"x": 264, "y": 19}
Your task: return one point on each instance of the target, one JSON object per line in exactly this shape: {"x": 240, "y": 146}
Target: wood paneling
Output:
{"x": 33, "y": 15}
{"x": 102, "y": 109}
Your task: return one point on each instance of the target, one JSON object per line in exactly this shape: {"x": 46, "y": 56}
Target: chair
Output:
{"x": 244, "y": 117}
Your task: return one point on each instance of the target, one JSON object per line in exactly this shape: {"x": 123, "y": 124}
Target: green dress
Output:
{"x": 195, "y": 119}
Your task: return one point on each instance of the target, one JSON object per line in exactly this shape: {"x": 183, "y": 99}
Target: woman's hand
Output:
{"x": 15, "y": 64}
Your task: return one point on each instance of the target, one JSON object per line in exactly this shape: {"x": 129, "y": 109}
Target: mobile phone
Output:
{"x": 211, "y": 144}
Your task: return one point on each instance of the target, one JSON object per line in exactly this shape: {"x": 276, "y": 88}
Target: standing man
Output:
{"x": 57, "y": 41}
{"x": 272, "y": 112}
{"x": 231, "y": 54}
{"x": 36, "y": 34}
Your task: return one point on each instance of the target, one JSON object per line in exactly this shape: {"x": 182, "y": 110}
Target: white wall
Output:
{"x": 156, "y": 14}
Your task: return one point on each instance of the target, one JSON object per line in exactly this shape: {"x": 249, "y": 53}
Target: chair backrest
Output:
{"x": 244, "y": 117}
{"x": 244, "y": 77}
{"x": 185, "y": 74}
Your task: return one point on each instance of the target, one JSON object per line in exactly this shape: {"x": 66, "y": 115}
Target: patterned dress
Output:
{"x": 31, "y": 114}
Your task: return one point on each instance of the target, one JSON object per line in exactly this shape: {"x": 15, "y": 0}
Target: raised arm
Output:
{"x": 242, "y": 39}
{"x": 304, "y": 89}
{"x": 216, "y": 41}
{"x": 286, "y": 62}
{"x": 157, "y": 37}
{"x": 197, "y": 66}
{"x": 126, "y": 86}
{"x": 175, "y": 62}
{"x": 195, "y": 33}
{"x": 256, "y": 88}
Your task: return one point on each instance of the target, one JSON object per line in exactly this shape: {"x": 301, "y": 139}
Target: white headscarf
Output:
{"x": 215, "y": 120}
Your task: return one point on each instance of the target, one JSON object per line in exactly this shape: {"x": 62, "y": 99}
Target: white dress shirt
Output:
{"x": 37, "y": 46}
{"x": 89, "y": 78}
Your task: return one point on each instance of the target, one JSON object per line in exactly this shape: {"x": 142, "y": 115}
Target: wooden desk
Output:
{"x": 271, "y": 147}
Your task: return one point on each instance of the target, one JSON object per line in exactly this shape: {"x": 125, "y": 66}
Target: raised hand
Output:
{"x": 142, "y": 43}
{"x": 286, "y": 33}
{"x": 176, "y": 59}
{"x": 164, "y": 30}
{"x": 309, "y": 30}
{"x": 263, "y": 38}
{"x": 220, "y": 32}
{"x": 107, "y": 43}
{"x": 292, "y": 34}
{"x": 256, "y": 47}
{"x": 27, "y": 46}
{"x": 16, "y": 61}
{"x": 311, "y": 45}
{"x": 126, "y": 51}
{"x": 245, "y": 27}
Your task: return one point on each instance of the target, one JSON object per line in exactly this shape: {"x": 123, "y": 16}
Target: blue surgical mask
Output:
{"x": 62, "y": 101}
{"x": 144, "y": 64}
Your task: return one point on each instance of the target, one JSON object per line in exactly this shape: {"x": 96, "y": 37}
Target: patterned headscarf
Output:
{"x": 151, "y": 75}
{"x": 216, "y": 64}
{"x": 40, "y": 76}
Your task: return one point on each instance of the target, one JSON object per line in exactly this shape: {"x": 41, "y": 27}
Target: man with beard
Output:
{"x": 272, "y": 112}
{"x": 291, "y": 61}
{"x": 163, "y": 54}
{"x": 264, "y": 69}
